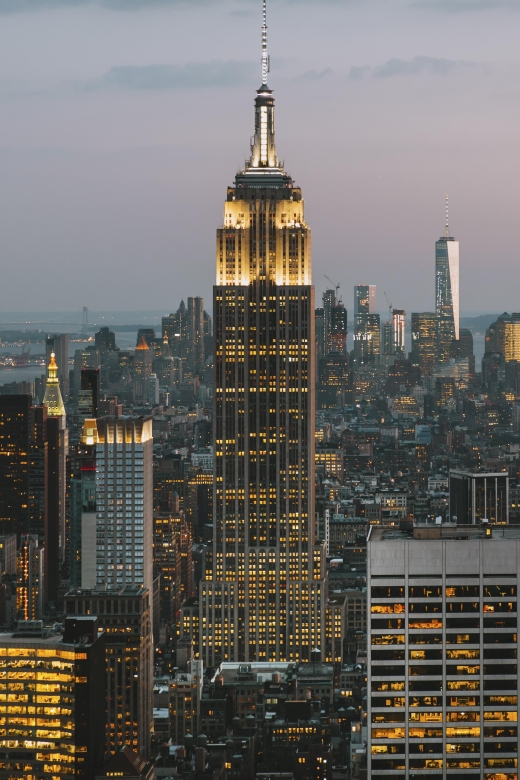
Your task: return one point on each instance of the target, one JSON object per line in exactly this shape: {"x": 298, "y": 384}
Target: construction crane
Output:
{"x": 390, "y": 306}
{"x": 336, "y": 286}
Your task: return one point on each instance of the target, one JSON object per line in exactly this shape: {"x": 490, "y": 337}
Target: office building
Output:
{"x": 464, "y": 349}
{"x": 185, "y": 693}
{"x": 81, "y": 540}
{"x": 319, "y": 320}
{"x": 476, "y": 497}
{"x": 124, "y": 614}
{"x": 334, "y": 383}
{"x": 264, "y": 593}
{"x": 337, "y": 336}
{"x": 8, "y": 549}
{"x": 30, "y": 586}
{"x": 167, "y": 564}
{"x": 442, "y": 653}
{"x": 58, "y": 447}
{"x": 447, "y": 291}
{"x": 387, "y": 338}
{"x": 196, "y": 353}
{"x": 59, "y": 344}
{"x": 365, "y": 300}
{"x": 105, "y": 340}
{"x": 367, "y": 325}
{"x": 188, "y": 331}
{"x": 367, "y": 339}
{"x": 424, "y": 341}
{"x": 54, "y": 726}
{"x": 16, "y": 432}
{"x": 83, "y": 359}
{"x": 503, "y": 337}
{"x": 124, "y": 501}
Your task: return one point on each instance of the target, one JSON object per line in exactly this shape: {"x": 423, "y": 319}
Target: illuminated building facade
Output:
{"x": 264, "y": 591}
{"x": 447, "y": 292}
{"x": 503, "y": 337}
{"x": 54, "y": 725}
{"x": 424, "y": 340}
{"x": 58, "y": 344}
{"x": 442, "y": 653}
{"x": 398, "y": 331}
{"x": 30, "y": 579}
{"x": 128, "y": 676}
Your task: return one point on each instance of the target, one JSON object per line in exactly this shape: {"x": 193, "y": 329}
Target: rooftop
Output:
{"x": 446, "y": 531}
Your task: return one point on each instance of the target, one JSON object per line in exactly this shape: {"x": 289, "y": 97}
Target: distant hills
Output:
{"x": 480, "y": 323}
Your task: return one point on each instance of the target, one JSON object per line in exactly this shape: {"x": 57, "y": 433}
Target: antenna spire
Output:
{"x": 265, "y": 56}
{"x": 447, "y": 219}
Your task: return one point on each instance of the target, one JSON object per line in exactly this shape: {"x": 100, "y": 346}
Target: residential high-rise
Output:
{"x": 58, "y": 447}
{"x": 424, "y": 340}
{"x": 442, "y": 653}
{"x": 124, "y": 501}
{"x": 54, "y": 726}
{"x": 264, "y": 593}
{"x": 447, "y": 291}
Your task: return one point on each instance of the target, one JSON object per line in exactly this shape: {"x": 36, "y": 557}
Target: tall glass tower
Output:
{"x": 447, "y": 291}
{"x": 264, "y": 594}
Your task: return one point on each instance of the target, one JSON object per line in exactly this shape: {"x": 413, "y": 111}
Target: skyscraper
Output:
{"x": 15, "y": 439}
{"x": 447, "y": 291}
{"x": 58, "y": 447}
{"x": 367, "y": 325}
{"x": 124, "y": 503}
{"x": 424, "y": 340}
{"x": 398, "y": 331}
{"x": 264, "y": 594}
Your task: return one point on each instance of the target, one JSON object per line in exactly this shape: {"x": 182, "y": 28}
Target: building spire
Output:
{"x": 52, "y": 398}
{"x": 447, "y": 233}
{"x": 265, "y": 56}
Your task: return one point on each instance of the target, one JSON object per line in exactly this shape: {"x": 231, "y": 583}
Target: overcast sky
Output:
{"x": 123, "y": 121}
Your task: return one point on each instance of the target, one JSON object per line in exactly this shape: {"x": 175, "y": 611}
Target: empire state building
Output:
{"x": 263, "y": 598}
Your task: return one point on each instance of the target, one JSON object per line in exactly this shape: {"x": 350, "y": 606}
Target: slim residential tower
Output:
{"x": 447, "y": 291}
{"x": 264, "y": 593}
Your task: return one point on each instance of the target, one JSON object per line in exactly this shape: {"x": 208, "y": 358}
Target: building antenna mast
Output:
{"x": 447, "y": 219}
{"x": 265, "y": 57}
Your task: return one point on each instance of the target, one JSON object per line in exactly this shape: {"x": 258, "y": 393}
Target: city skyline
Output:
{"x": 116, "y": 197}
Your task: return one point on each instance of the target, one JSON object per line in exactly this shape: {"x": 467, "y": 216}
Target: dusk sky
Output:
{"x": 123, "y": 121}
